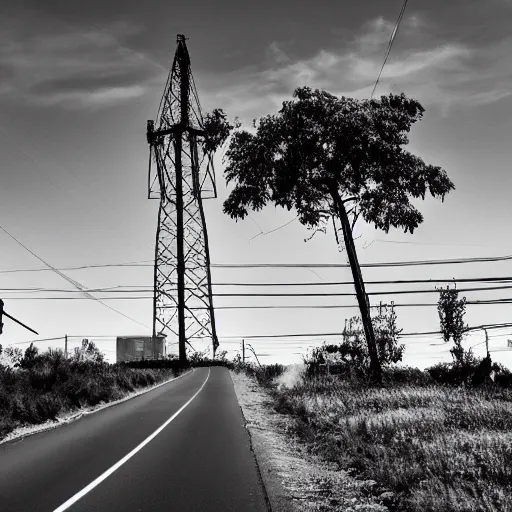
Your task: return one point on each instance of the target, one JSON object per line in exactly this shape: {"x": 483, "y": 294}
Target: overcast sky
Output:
{"x": 79, "y": 80}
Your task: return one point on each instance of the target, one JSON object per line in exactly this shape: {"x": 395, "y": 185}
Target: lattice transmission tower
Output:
{"x": 181, "y": 178}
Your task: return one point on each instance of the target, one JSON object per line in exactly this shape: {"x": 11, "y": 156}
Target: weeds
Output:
{"x": 428, "y": 447}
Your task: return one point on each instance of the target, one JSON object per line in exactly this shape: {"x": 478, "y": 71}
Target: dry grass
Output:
{"x": 296, "y": 480}
{"x": 430, "y": 448}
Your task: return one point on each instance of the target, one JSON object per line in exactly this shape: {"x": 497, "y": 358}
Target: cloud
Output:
{"x": 96, "y": 98}
{"x": 72, "y": 67}
{"x": 443, "y": 74}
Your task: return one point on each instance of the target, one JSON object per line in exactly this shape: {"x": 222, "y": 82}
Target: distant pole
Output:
{"x": 243, "y": 351}
{"x": 66, "y": 346}
{"x": 380, "y": 308}
{"x": 1, "y": 315}
{"x": 486, "y": 342}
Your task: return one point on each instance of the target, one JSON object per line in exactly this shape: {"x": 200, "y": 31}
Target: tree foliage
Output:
{"x": 88, "y": 351}
{"x": 10, "y": 357}
{"x": 451, "y": 311}
{"x": 318, "y": 141}
{"x": 217, "y": 128}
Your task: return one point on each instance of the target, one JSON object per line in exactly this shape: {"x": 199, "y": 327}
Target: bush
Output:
{"x": 407, "y": 375}
{"x": 44, "y": 385}
{"x": 266, "y": 374}
{"x": 471, "y": 372}
{"x": 30, "y": 357}
{"x": 352, "y": 352}
{"x": 425, "y": 447}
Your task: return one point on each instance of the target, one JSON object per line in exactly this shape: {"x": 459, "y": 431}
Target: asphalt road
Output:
{"x": 199, "y": 461}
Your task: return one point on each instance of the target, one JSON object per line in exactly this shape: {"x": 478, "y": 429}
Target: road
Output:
{"x": 199, "y": 461}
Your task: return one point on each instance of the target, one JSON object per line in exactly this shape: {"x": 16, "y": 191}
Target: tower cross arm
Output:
{"x": 178, "y": 129}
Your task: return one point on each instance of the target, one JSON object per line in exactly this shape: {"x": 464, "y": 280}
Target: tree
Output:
{"x": 11, "y": 357}
{"x": 88, "y": 352}
{"x": 451, "y": 311}
{"x": 331, "y": 157}
{"x": 30, "y": 357}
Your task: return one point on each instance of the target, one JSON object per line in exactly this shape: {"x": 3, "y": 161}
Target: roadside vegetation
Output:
{"x": 438, "y": 440}
{"x": 35, "y": 388}
{"x": 428, "y": 447}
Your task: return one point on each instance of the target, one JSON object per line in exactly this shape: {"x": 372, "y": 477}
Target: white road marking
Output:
{"x": 127, "y": 457}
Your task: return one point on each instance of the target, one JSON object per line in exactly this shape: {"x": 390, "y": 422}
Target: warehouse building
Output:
{"x": 135, "y": 348}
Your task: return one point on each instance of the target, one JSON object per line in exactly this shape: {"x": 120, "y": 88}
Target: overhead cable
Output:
{"x": 76, "y": 284}
{"x": 390, "y": 44}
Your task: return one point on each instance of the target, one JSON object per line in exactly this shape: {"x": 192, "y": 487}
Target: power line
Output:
{"x": 390, "y": 44}
{"x": 403, "y": 281}
{"x": 379, "y": 240}
{"x": 149, "y": 289}
{"x": 355, "y": 306}
{"x": 280, "y": 306}
{"x": 37, "y": 341}
{"x": 88, "y": 290}
{"x": 144, "y": 263}
{"x": 149, "y": 263}
{"x": 88, "y": 298}
{"x": 367, "y": 265}
{"x": 327, "y": 294}
{"x": 76, "y": 284}
{"x": 301, "y": 335}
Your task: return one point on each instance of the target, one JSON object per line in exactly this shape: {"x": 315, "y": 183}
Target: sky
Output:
{"x": 79, "y": 81}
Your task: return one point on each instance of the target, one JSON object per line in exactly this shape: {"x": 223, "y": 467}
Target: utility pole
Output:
{"x": 4, "y": 313}
{"x": 1, "y": 315}
{"x": 66, "y": 346}
{"x": 486, "y": 342}
{"x": 178, "y": 141}
{"x": 243, "y": 351}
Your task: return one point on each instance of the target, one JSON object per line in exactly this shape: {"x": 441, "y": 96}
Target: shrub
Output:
{"x": 88, "y": 352}
{"x": 407, "y": 375}
{"x": 45, "y": 385}
{"x": 426, "y": 447}
{"x": 29, "y": 358}
{"x": 471, "y": 371}
{"x": 352, "y": 351}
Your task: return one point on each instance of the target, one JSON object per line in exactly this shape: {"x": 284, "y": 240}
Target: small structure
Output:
{"x": 136, "y": 348}
{"x": 509, "y": 343}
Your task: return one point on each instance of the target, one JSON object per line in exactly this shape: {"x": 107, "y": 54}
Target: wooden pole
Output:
{"x": 243, "y": 351}
{"x": 66, "y": 346}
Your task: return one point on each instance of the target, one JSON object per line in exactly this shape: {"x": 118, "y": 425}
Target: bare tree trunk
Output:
{"x": 362, "y": 298}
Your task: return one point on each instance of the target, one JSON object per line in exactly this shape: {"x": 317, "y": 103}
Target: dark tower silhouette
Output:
{"x": 182, "y": 177}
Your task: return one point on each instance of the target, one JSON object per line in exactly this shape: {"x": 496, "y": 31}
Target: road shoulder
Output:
{"x": 294, "y": 479}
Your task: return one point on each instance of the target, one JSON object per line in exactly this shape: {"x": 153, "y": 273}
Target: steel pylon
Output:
{"x": 181, "y": 178}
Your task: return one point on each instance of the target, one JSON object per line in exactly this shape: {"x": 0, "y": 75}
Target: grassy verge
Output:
{"x": 52, "y": 385}
{"x": 427, "y": 447}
